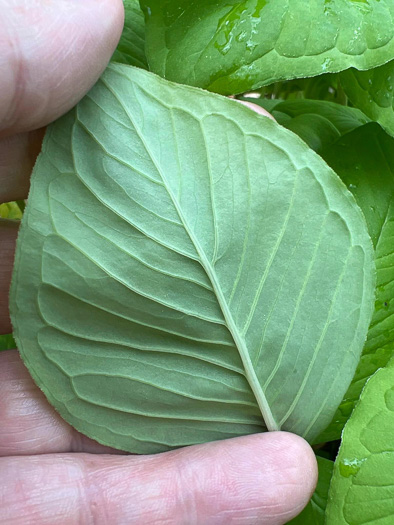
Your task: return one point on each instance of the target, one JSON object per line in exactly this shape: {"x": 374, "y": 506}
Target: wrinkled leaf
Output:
{"x": 131, "y": 48}
{"x": 318, "y": 123}
{"x": 314, "y": 512}
{"x": 361, "y": 489}
{"x": 364, "y": 159}
{"x": 187, "y": 270}
{"x": 232, "y": 46}
{"x": 372, "y": 92}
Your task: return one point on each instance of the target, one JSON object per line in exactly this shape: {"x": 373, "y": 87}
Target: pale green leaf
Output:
{"x": 131, "y": 48}
{"x": 232, "y": 46}
{"x": 364, "y": 159}
{"x": 372, "y": 91}
{"x": 361, "y": 489}
{"x": 314, "y": 512}
{"x": 187, "y": 270}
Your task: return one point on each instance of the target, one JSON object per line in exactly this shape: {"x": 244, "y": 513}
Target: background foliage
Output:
{"x": 325, "y": 70}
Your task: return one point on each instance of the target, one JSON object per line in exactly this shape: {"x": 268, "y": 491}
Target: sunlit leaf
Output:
{"x": 361, "y": 489}
{"x": 232, "y": 46}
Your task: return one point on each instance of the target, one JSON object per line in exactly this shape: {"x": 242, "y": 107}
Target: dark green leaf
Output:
{"x": 131, "y": 48}
{"x": 372, "y": 91}
{"x": 233, "y": 46}
{"x": 318, "y": 123}
{"x": 187, "y": 270}
{"x": 314, "y": 512}
{"x": 7, "y": 342}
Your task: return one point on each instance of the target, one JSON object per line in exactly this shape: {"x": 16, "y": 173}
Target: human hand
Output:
{"x": 50, "y": 54}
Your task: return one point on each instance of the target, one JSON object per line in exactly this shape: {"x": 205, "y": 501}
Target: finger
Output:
{"x": 264, "y": 479}
{"x": 28, "y": 424}
{"x": 51, "y": 53}
{"x": 18, "y": 154}
{"x": 8, "y": 234}
{"x": 256, "y": 108}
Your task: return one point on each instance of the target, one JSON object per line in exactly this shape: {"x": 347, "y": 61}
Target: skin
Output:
{"x": 50, "y": 55}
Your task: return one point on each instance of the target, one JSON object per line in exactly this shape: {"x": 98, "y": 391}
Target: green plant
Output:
{"x": 198, "y": 271}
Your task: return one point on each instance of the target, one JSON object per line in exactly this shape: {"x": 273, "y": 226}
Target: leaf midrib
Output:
{"x": 239, "y": 341}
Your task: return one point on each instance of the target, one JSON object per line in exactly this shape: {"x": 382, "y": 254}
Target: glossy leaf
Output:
{"x": 314, "y": 512}
{"x": 364, "y": 159}
{"x": 131, "y": 48}
{"x": 361, "y": 489}
{"x": 318, "y": 123}
{"x": 187, "y": 270}
{"x": 372, "y": 91}
{"x": 232, "y": 46}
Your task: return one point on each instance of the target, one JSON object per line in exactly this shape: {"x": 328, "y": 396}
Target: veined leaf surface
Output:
{"x": 232, "y": 46}
{"x": 131, "y": 47}
{"x": 372, "y": 92}
{"x": 361, "y": 488}
{"x": 187, "y": 270}
{"x": 364, "y": 159}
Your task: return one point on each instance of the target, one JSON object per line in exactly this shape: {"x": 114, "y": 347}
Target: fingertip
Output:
{"x": 296, "y": 468}
{"x": 264, "y": 478}
{"x": 284, "y": 475}
{"x": 48, "y": 65}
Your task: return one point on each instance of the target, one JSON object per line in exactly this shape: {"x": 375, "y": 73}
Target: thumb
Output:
{"x": 51, "y": 53}
{"x": 263, "y": 479}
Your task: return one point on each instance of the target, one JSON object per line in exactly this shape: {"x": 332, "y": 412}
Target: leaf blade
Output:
{"x": 372, "y": 92}
{"x": 232, "y": 47}
{"x": 362, "y": 156}
{"x": 144, "y": 242}
{"x": 362, "y": 481}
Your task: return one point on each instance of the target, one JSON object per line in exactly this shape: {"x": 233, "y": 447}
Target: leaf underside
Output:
{"x": 187, "y": 270}
{"x": 231, "y": 46}
{"x": 362, "y": 154}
